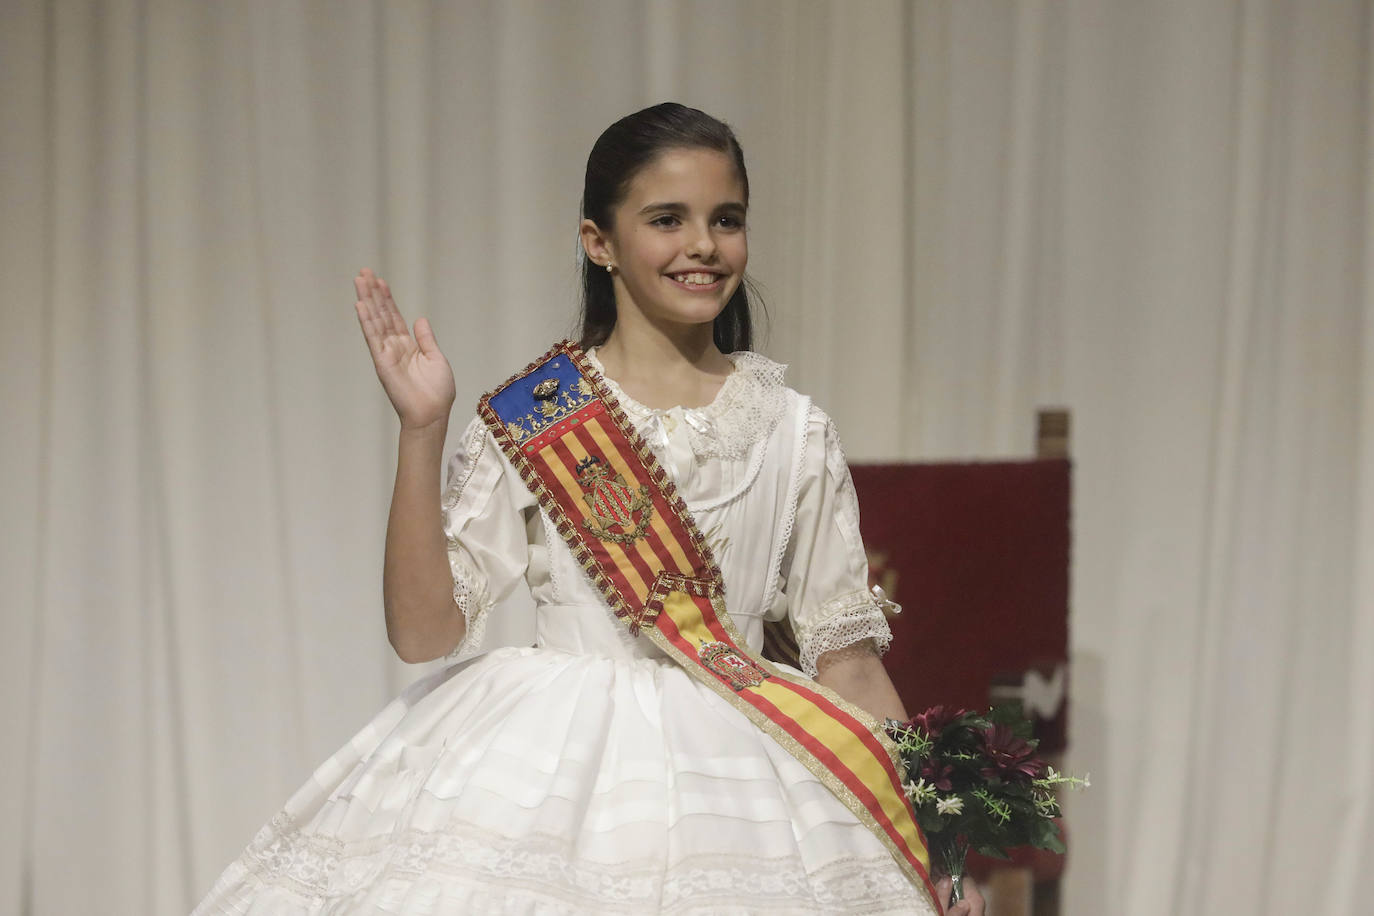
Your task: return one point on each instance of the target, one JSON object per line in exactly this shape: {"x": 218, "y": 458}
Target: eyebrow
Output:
{"x": 675, "y": 207}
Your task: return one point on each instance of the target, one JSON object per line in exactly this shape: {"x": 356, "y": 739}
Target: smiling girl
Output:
{"x": 643, "y": 756}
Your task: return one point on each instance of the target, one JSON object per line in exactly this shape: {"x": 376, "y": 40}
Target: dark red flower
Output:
{"x": 937, "y": 774}
{"x": 1011, "y": 758}
{"x": 936, "y": 719}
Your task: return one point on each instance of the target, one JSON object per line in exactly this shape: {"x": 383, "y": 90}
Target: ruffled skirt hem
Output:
{"x": 543, "y": 782}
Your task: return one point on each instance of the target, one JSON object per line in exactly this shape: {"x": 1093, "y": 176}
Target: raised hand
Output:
{"x": 416, "y": 376}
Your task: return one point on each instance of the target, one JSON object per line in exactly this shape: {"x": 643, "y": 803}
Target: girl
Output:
{"x": 663, "y": 494}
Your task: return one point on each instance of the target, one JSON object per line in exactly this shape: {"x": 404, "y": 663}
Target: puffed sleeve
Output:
{"x": 489, "y": 518}
{"x": 825, "y": 568}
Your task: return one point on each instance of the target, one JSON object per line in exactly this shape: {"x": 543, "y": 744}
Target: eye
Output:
{"x": 730, "y": 222}
{"x": 664, "y": 221}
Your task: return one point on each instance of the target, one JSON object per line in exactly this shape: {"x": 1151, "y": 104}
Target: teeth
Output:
{"x": 696, "y": 279}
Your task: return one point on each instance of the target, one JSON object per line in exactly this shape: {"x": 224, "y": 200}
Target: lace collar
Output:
{"x": 745, "y": 410}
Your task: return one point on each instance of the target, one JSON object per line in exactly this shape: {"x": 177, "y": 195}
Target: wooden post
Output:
{"x": 1052, "y": 432}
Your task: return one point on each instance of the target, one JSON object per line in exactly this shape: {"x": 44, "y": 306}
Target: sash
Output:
{"x": 621, "y": 516}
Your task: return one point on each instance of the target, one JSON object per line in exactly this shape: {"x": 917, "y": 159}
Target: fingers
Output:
{"x": 388, "y": 338}
{"x": 381, "y": 294}
{"x": 943, "y": 887}
{"x": 367, "y": 312}
{"x": 369, "y": 326}
{"x": 424, "y": 336}
{"x": 376, "y": 296}
{"x": 974, "y": 897}
{"x": 377, "y": 312}
{"x": 367, "y": 317}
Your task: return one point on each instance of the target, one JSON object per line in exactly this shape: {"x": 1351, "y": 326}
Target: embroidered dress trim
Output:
{"x": 319, "y": 870}
{"x": 470, "y": 591}
{"x": 749, "y": 404}
{"x": 844, "y": 620}
{"x": 471, "y": 596}
{"x": 625, "y": 523}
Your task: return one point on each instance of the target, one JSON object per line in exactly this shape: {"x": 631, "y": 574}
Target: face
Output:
{"x": 678, "y": 243}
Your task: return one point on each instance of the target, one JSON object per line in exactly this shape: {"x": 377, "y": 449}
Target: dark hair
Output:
{"x": 622, "y": 150}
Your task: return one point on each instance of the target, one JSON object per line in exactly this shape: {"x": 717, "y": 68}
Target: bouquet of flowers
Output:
{"x": 975, "y": 782}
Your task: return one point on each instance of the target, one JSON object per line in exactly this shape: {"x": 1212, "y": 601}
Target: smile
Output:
{"x": 697, "y": 280}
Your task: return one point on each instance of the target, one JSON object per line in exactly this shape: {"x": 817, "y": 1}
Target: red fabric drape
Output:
{"x": 978, "y": 557}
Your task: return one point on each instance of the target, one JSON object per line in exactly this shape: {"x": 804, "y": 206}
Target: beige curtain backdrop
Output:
{"x": 1153, "y": 213}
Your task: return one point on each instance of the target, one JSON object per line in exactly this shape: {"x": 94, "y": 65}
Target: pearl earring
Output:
{"x": 610, "y": 268}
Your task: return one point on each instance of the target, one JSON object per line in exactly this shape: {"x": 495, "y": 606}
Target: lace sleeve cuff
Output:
{"x": 843, "y": 621}
{"x": 471, "y": 595}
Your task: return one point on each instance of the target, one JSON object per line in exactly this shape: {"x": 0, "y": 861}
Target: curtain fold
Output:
{"x": 1154, "y": 214}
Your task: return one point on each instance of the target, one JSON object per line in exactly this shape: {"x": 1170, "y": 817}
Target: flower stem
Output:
{"x": 952, "y": 853}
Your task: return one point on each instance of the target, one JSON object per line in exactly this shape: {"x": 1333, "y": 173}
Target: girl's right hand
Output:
{"x": 973, "y": 903}
{"x": 416, "y": 376}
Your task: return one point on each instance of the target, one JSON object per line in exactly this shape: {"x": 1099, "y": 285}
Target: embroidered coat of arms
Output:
{"x": 620, "y": 513}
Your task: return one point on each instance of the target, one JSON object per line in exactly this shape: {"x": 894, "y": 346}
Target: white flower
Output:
{"x": 952, "y": 805}
{"x": 919, "y": 791}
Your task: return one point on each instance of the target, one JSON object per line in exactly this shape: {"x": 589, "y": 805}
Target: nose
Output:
{"x": 702, "y": 244}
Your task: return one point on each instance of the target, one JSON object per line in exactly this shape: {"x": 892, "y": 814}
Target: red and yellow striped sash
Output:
{"x": 621, "y": 516}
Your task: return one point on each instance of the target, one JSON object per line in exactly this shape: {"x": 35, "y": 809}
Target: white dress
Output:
{"x": 590, "y": 774}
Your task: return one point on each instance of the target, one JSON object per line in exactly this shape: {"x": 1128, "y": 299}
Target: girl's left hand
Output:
{"x": 971, "y": 905}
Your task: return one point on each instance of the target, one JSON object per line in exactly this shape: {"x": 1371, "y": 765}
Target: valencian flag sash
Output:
{"x": 620, "y": 513}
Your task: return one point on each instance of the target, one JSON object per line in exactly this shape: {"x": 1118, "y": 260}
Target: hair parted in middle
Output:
{"x": 618, "y": 155}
